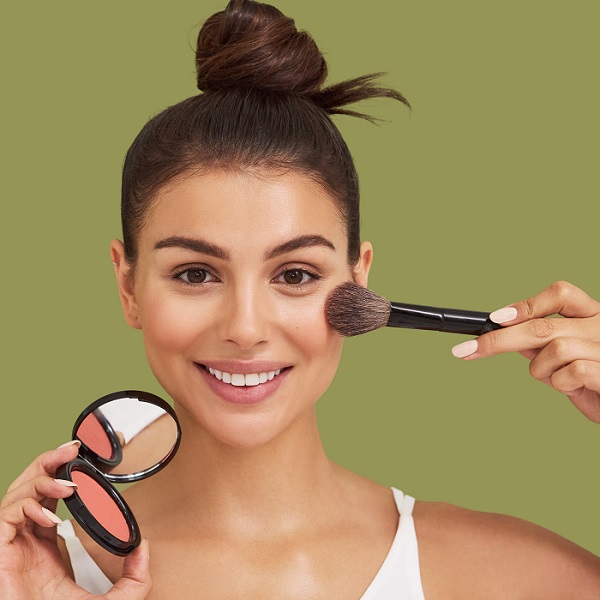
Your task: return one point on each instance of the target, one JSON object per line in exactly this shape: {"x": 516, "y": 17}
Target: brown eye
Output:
{"x": 293, "y": 276}
{"x": 195, "y": 276}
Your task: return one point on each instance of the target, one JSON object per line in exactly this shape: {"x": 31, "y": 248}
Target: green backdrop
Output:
{"x": 483, "y": 194}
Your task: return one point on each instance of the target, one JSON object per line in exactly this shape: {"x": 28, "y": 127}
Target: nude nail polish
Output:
{"x": 72, "y": 442}
{"x": 66, "y": 483}
{"x": 504, "y": 315}
{"x": 52, "y": 516}
{"x": 465, "y": 349}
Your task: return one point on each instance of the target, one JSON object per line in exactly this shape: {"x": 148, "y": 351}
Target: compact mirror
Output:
{"x": 125, "y": 436}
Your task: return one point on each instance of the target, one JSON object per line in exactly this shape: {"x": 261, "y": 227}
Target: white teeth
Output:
{"x": 252, "y": 379}
{"x": 240, "y": 380}
{"x": 237, "y": 379}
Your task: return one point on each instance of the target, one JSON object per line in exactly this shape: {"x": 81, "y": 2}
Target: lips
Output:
{"x": 243, "y": 383}
{"x": 241, "y": 379}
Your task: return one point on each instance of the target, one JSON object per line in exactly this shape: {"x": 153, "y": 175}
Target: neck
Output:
{"x": 280, "y": 482}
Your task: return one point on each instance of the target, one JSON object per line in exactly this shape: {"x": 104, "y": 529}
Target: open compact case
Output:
{"x": 125, "y": 436}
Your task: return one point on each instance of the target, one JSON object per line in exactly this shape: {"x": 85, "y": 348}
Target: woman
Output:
{"x": 240, "y": 216}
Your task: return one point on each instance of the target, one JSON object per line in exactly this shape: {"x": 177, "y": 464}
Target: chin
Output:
{"x": 250, "y": 431}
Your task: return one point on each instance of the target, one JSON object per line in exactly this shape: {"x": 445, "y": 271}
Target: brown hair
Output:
{"x": 262, "y": 105}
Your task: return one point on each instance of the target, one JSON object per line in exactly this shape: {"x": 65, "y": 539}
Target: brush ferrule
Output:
{"x": 415, "y": 316}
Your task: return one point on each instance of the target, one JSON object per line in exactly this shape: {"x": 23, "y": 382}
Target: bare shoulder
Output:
{"x": 471, "y": 554}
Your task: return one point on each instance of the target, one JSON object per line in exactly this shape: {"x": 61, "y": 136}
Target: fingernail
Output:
{"x": 51, "y": 516}
{"x": 77, "y": 442}
{"x": 503, "y": 315}
{"x": 465, "y": 349}
{"x": 66, "y": 483}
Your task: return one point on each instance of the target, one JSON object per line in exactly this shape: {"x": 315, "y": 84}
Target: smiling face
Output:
{"x": 230, "y": 285}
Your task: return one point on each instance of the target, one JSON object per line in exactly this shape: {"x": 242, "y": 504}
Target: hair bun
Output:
{"x": 254, "y": 45}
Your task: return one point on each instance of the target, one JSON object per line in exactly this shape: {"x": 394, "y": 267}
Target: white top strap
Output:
{"x": 87, "y": 573}
{"x": 399, "y": 576}
{"x": 405, "y": 508}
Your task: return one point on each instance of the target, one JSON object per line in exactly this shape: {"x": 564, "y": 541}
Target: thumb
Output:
{"x": 135, "y": 582}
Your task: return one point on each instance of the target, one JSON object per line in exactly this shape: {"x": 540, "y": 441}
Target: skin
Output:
{"x": 261, "y": 511}
{"x": 564, "y": 353}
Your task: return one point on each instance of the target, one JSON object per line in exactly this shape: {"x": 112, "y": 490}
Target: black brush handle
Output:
{"x": 451, "y": 320}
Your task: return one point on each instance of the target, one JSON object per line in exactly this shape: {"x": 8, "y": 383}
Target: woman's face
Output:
{"x": 229, "y": 291}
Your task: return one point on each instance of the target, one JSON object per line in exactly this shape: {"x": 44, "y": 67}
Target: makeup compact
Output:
{"x": 125, "y": 437}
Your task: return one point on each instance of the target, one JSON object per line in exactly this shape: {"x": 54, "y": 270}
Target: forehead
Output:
{"x": 238, "y": 208}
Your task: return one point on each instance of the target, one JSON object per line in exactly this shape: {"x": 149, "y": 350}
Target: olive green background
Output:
{"x": 483, "y": 194}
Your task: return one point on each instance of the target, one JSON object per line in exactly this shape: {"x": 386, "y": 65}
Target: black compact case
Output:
{"x": 125, "y": 437}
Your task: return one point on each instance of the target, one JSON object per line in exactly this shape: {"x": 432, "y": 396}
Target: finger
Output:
{"x": 561, "y": 298}
{"x": 47, "y": 533}
{"x": 531, "y": 335}
{"x": 16, "y": 516}
{"x": 47, "y": 463}
{"x": 560, "y": 352}
{"x": 580, "y": 381}
{"x": 577, "y": 375}
{"x": 46, "y": 491}
{"x": 38, "y": 489}
{"x": 135, "y": 583}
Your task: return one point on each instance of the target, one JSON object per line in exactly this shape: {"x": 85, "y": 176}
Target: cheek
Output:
{"x": 171, "y": 325}
{"x": 313, "y": 336}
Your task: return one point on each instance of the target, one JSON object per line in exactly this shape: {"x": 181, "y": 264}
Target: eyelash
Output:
{"x": 312, "y": 276}
{"x": 179, "y": 274}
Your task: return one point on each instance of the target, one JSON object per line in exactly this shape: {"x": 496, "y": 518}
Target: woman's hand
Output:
{"x": 564, "y": 353}
{"x": 31, "y": 567}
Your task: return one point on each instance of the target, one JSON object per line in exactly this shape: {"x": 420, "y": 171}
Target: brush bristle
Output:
{"x": 352, "y": 309}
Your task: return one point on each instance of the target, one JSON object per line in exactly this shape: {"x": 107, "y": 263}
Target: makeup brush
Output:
{"x": 352, "y": 309}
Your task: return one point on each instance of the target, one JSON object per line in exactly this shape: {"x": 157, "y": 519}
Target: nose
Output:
{"x": 246, "y": 321}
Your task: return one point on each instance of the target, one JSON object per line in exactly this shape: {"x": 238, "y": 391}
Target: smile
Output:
{"x": 242, "y": 380}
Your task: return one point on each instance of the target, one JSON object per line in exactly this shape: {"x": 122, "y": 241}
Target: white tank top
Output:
{"x": 399, "y": 576}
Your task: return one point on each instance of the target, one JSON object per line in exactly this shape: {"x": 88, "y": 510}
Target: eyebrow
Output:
{"x": 203, "y": 247}
{"x": 302, "y": 241}
{"x": 196, "y": 245}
